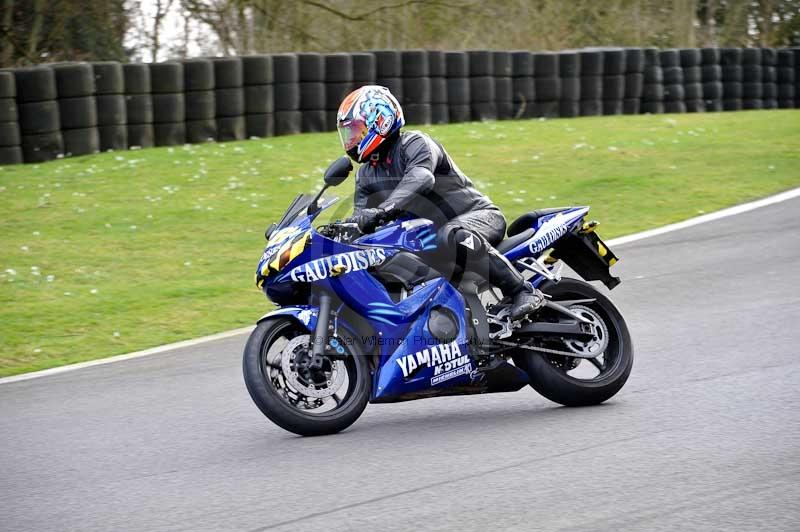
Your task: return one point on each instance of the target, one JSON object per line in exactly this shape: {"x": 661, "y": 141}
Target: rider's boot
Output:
{"x": 525, "y": 299}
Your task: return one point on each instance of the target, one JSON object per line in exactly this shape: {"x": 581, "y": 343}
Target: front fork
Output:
{"x": 320, "y": 341}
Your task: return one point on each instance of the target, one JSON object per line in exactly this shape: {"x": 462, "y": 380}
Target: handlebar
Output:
{"x": 341, "y": 231}
{"x": 345, "y": 231}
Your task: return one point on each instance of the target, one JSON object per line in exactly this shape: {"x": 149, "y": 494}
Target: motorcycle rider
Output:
{"x": 408, "y": 171}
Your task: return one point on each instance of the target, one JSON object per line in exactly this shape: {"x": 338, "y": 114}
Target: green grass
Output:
{"x": 116, "y": 252}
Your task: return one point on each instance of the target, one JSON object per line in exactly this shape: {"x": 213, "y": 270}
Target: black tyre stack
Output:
{"x": 458, "y": 83}
{"x": 503, "y": 87}
{"x": 10, "y": 138}
{"x": 481, "y": 85}
{"x": 112, "y": 116}
{"x": 786, "y": 78}
{"x": 199, "y": 100}
{"x": 673, "y": 81}
{"x": 796, "y": 76}
{"x": 522, "y": 85}
{"x": 752, "y": 74}
{"x": 569, "y": 70}
{"x": 416, "y": 100}
{"x": 591, "y": 82}
{"x": 365, "y": 72}
{"x": 731, "y": 62}
{"x": 546, "y": 84}
{"x": 138, "y": 104}
{"x": 169, "y": 105}
{"x": 39, "y": 120}
{"x": 710, "y": 59}
{"x": 364, "y": 69}
{"x": 613, "y": 81}
{"x": 653, "y": 90}
{"x": 338, "y": 83}
{"x": 437, "y": 70}
{"x": 692, "y": 80}
{"x": 229, "y": 98}
{"x": 259, "y": 96}
{"x": 312, "y": 92}
{"x": 389, "y": 71}
{"x": 634, "y": 81}
{"x": 769, "y": 78}
{"x": 77, "y": 108}
{"x": 286, "y": 75}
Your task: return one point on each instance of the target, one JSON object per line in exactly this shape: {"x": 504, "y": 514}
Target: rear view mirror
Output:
{"x": 270, "y": 229}
{"x": 338, "y": 171}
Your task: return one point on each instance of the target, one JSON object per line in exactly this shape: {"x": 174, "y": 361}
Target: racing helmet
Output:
{"x": 368, "y": 117}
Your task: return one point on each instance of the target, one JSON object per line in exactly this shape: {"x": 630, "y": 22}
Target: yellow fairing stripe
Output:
{"x": 276, "y": 264}
{"x": 289, "y": 251}
{"x": 299, "y": 245}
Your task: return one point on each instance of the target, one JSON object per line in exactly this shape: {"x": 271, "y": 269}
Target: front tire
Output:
{"x": 284, "y": 399}
{"x": 550, "y": 375}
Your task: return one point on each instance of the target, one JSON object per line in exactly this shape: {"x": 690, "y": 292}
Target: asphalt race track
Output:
{"x": 705, "y": 435}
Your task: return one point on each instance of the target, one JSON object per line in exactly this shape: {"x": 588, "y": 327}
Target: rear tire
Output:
{"x": 553, "y": 382}
{"x": 274, "y": 404}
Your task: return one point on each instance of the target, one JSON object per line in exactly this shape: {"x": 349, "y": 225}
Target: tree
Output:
{"x": 34, "y": 31}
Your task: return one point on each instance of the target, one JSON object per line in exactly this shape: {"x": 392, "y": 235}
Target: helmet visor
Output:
{"x": 351, "y": 132}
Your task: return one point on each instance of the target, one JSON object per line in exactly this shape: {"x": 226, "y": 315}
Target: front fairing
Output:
{"x": 288, "y": 240}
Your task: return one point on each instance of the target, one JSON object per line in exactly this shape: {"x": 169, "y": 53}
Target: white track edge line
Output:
{"x": 127, "y": 356}
{"x": 705, "y": 218}
{"x": 710, "y": 217}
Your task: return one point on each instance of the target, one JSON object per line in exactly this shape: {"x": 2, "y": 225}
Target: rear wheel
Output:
{"x": 296, "y": 396}
{"x": 580, "y": 381}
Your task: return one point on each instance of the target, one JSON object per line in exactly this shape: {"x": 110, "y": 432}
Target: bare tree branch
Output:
{"x": 366, "y": 15}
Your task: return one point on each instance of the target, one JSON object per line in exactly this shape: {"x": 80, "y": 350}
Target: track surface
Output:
{"x": 705, "y": 435}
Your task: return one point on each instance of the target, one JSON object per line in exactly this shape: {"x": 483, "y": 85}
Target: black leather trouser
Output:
{"x": 466, "y": 243}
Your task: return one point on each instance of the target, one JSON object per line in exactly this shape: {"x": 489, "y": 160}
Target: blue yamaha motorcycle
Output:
{"x": 365, "y": 318}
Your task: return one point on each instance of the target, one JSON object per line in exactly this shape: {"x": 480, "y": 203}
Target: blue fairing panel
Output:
{"x": 416, "y": 234}
{"x": 305, "y": 314}
{"x": 417, "y": 361}
{"x": 548, "y": 229}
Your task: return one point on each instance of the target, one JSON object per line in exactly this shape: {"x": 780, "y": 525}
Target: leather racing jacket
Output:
{"x": 416, "y": 175}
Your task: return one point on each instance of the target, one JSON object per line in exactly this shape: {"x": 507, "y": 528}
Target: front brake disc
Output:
{"x": 290, "y": 357}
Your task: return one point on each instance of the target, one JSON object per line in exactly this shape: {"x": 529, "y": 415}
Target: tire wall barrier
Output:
{"x": 546, "y": 84}
{"x": 38, "y": 114}
{"x": 338, "y": 84}
{"x": 259, "y": 95}
{"x": 138, "y": 105}
{"x": 64, "y": 109}
{"x": 199, "y": 98}
{"x": 569, "y": 69}
{"x": 10, "y": 136}
{"x": 416, "y": 100}
{"x": 229, "y": 98}
{"x": 112, "y": 113}
{"x": 168, "y": 97}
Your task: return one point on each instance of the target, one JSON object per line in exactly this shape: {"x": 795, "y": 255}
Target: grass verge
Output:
{"x": 106, "y": 254}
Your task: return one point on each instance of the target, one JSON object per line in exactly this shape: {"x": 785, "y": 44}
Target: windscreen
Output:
{"x": 296, "y": 209}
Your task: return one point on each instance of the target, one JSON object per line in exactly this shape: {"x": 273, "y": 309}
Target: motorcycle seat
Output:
{"x": 529, "y": 219}
{"x": 510, "y": 243}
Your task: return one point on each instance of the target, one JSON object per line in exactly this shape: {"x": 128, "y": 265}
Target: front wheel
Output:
{"x": 581, "y": 381}
{"x": 300, "y": 398}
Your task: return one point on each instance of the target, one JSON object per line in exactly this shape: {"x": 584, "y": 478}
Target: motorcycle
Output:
{"x": 364, "y": 318}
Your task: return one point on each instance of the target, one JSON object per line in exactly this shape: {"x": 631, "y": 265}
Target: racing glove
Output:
{"x": 369, "y": 219}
